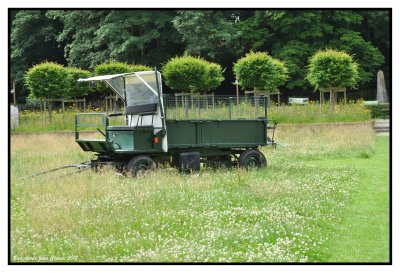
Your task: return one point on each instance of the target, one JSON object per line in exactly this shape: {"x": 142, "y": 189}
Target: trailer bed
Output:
{"x": 216, "y": 133}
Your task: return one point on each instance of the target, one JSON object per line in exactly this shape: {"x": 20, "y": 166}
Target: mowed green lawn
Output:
{"x": 364, "y": 234}
{"x": 315, "y": 202}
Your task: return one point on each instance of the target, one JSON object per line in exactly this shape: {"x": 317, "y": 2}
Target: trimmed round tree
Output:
{"x": 47, "y": 80}
{"x": 259, "y": 71}
{"x": 187, "y": 74}
{"x": 332, "y": 68}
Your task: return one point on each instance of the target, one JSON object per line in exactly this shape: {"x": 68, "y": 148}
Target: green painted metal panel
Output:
{"x": 232, "y": 132}
{"x": 144, "y": 140}
{"x": 130, "y": 139}
{"x": 182, "y": 132}
{"x": 121, "y": 139}
{"x": 216, "y": 133}
{"x": 95, "y": 145}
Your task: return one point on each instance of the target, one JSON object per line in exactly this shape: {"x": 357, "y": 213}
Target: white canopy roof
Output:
{"x": 119, "y": 82}
{"x": 109, "y": 77}
{"x": 101, "y": 78}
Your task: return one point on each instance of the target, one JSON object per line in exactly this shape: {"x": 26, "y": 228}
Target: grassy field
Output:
{"x": 299, "y": 209}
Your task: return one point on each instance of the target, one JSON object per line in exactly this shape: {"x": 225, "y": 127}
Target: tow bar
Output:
{"x": 81, "y": 167}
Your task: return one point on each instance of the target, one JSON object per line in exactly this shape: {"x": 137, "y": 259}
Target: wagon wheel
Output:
{"x": 139, "y": 164}
{"x": 252, "y": 159}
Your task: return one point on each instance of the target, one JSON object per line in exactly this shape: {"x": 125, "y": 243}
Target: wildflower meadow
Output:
{"x": 292, "y": 211}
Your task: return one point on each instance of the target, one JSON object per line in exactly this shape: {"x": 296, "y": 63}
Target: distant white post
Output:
{"x": 237, "y": 90}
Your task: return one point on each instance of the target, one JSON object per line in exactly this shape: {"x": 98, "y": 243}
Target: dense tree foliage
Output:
{"x": 295, "y": 35}
{"x": 33, "y": 40}
{"x": 86, "y": 38}
{"x": 209, "y": 33}
{"x": 95, "y": 36}
{"x": 82, "y": 49}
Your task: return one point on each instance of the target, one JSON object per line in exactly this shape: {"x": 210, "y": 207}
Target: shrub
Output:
{"x": 47, "y": 80}
{"x": 259, "y": 71}
{"x": 76, "y": 89}
{"x": 332, "y": 68}
{"x": 380, "y": 111}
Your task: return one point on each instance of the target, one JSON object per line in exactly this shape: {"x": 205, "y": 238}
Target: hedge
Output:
{"x": 379, "y": 111}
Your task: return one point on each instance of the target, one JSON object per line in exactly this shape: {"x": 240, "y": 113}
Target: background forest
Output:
{"x": 86, "y": 38}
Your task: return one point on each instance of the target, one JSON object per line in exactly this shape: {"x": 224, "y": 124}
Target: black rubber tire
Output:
{"x": 252, "y": 159}
{"x": 139, "y": 164}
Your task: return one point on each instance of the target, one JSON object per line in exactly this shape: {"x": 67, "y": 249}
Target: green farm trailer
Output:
{"x": 157, "y": 129}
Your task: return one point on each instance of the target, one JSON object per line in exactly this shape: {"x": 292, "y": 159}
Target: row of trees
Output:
{"x": 86, "y": 38}
{"x": 257, "y": 71}
{"x": 52, "y": 80}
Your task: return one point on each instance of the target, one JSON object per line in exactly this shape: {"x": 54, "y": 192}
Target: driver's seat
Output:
{"x": 142, "y": 110}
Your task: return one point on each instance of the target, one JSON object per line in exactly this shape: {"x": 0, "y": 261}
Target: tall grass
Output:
{"x": 315, "y": 113}
{"x": 283, "y": 213}
{"x": 321, "y": 142}
{"x": 311, "y": 113}
{"x": 35, "y": 121}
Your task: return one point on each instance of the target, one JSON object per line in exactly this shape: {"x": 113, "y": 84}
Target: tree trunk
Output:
{"x": 331, "y": 99}
{"x": 50, "y": 111}
{"x": 255, "y": 98}
{"x": 321, "y": 97}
